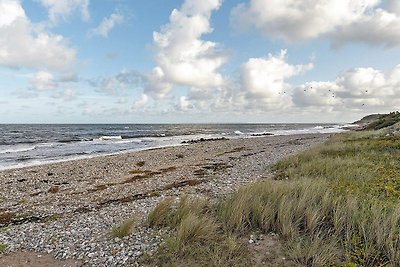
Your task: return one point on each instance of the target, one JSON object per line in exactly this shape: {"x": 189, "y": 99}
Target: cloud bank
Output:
{"x": 340, "y": 22}
{"x": 358, "y": 88}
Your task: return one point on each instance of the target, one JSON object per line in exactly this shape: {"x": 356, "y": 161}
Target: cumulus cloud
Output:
{"x": 340, "y": 21}
{"x": 183, "y": 58}
{"x": 379, "y": 28}
{"x": 62, "y": 9}
{"x": 264, "y": 80}
{"x": 24, "y": 45}
{"x": 107, "y": 25}
{"x": 357, "y": 88}
{"x": 157, "y": 85}
{"x": 316, "y": 94}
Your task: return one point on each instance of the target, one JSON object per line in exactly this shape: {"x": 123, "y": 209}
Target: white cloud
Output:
{"x": 25, "y": 94}
{"x": 157, "y": 85}
{"x": 43, "y": 81}
{"x": 22, "y": 44}
{"x": 394, "y": 6}
{"x": 123, "y": 100}
{"x": 379, "y": 28}
{"x": 107, "y": 25}
{"x": 67, "y": 94}
{"x": 118, "y": 84}
{"x": 62, "y": 9}
{"x": 264, "y": 80}
{"x": 316, "y": 94}
{"x": 184, "y": 104}
{"x": 340, "y": 21}
{"x": 183, "y": 58}
{"x": 140, "y": 103}
{"x": 359, "y": 88}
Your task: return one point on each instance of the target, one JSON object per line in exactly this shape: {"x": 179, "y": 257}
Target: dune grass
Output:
{"x": 320, "y": 228}
{"x": 198, "y": 238}
{"x": 334, "y": 205}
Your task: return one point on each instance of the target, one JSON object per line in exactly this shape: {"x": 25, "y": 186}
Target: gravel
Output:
{"x": 68, "y": 209}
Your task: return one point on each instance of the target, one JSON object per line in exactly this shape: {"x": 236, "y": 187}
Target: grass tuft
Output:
{"x": 124, "y": 229}
{"x": 160, "y": 215}
{"x": 197, "y": 238}
{"x": 3, "y": 248}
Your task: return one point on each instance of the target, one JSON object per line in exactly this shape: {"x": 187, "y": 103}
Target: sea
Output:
{"x": 24, "y": 145}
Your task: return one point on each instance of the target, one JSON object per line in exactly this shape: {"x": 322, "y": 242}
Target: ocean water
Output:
{"x": 27, "y": 145}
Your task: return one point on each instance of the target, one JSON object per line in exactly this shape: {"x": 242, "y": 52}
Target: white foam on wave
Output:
{"x": 350, "y": 126}
{"x": 319, "y": 127}
{"x": 238, "y": 133}
{"x": 314, "y": 130}
{"x": 16, "y": 148}
{"x": 111, "y": 137}
{"x": 127, "y": 141}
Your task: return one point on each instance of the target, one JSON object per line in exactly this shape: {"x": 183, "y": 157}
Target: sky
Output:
{"x": 191, "y": 61}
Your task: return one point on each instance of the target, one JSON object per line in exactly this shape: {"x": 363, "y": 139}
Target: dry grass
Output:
{"x": 139, "y": 172}
{"x": 124, "y": 229}
{"x": 6, "y": 217}
{"x": 159, "y": 216}
{"x": 197, "y": 239}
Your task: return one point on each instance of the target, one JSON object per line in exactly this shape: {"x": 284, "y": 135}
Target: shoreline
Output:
{"x": 77, "y": 158}
{"x": 68, "y": 209}
{"x": 135, "y": 150}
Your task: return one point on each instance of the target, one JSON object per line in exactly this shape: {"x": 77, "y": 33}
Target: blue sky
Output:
{"x": 157, "y": 61}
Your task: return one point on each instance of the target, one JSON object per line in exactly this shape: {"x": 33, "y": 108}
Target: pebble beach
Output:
{"x": 62, "y": 214}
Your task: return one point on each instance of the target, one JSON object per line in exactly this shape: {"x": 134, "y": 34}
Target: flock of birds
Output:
{"x": 330, "y": 91}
